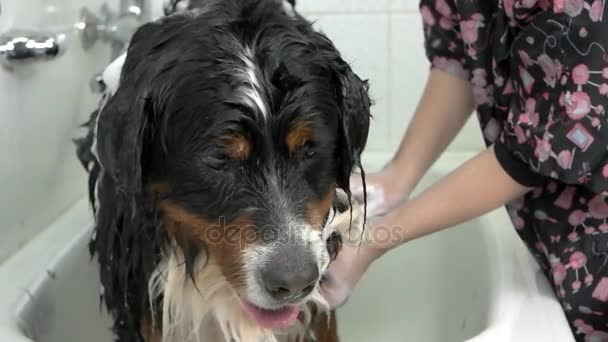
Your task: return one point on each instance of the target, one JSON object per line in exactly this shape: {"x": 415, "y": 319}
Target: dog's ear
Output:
{"x": 124, "y": 123}
{"x": 353, "y": 125}
{"x": 120, "y": 141}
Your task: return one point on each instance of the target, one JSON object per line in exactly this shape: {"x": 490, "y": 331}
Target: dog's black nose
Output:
{"x": 282, "y": 283}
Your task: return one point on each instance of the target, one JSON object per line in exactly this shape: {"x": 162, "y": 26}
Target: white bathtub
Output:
{"x": 471, "y": 283}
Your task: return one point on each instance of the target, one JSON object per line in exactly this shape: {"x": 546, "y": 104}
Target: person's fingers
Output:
{"x": 376, "y": 200}
{"x": 339, "y": 281}
{"x": 374, "y": 189}
{"x": 336, "y": 295}
{"x": 333, "y": 287}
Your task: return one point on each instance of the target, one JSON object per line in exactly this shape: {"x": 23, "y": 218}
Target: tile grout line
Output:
{"x": 386, "y": 136}
{"x": 358, "y": 12}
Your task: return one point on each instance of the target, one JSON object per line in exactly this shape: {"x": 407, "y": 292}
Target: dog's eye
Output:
{"x": 308, "y": 151}
{"x": 310, "y": 154}
{"x": 217, "y": 163}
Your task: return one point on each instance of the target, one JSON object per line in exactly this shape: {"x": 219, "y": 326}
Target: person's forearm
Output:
{"x": 443, "y": 110}
{"x": 477, "y": 187}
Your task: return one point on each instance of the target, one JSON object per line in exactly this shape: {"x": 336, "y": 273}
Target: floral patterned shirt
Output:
{"x": 539, "y": 72}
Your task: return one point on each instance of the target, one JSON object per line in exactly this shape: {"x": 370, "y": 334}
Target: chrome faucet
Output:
{"x": 111, "y": 27}
{"x": 132, "y": 6}
{"x": 172, "y": 6}
{"x": 18, "y": 47}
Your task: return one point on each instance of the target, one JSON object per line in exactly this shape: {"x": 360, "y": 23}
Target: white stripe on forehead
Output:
{"x": 252, "y": 89}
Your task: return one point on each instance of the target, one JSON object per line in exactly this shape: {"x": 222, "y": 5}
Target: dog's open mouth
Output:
{"x": 273, "y": 319}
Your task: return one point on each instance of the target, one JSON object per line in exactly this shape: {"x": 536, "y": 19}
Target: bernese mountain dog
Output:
{"x": 216, "y": 164}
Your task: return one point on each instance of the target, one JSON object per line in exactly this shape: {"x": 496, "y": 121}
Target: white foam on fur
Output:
{"x": 341, "y": 222}
{"x": 111, "y": 75}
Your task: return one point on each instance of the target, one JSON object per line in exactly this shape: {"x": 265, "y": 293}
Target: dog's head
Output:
{"x": 236, "y": 123}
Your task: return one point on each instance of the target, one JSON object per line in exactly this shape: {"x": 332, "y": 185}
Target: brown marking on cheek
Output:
{"x": 149, "y": 333}
{"x": 299, "y": 134}
{"x": 237, "y": 146}
{"x": 238, "y": 235}
{"x": 318, "y": 210}
{"x": 324, "y": 330}
{"x": 225, "y": 241}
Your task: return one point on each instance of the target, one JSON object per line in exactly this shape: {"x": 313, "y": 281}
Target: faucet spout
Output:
{"x": 115, "y": 28}
{"x": 136, "y": 7}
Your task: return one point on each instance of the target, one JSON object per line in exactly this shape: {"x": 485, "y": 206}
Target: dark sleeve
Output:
{"x": 557, "y": 126}
{"x": 516, "y": 168}
{"x": 443, "y": 41}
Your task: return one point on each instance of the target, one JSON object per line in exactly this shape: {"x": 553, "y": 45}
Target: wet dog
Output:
{"x": 214, "y": 165}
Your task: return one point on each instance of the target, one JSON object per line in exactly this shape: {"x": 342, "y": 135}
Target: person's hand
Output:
{"x": 345, "y": 272}
{"x": 358, "y": 251}
{"x": 350, "y": 264}
{"x": 386, "y": 189}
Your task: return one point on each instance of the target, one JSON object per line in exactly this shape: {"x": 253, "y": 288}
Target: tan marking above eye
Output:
{"x": 299, "y": 134}
{"x": 237, "y": 146}
{"x": 159, "y": 190}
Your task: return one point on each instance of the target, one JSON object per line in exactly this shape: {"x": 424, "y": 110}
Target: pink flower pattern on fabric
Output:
{"x": 539, "y": 75}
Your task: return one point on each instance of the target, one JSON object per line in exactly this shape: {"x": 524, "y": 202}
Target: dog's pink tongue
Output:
{"x": 274, "y": 319}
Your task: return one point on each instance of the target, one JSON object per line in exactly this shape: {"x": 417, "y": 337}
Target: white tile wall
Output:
{"x": 404, "y": 5}
{"x": 41, "y": 107}
{"x": 383, "y": 40}
{"x": 409, "y": 71}
{"x": 342, "y": 6}
{"x": 369, "y": 59}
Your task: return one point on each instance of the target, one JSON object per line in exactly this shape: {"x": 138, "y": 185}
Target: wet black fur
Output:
{"x": 176, "y": 97}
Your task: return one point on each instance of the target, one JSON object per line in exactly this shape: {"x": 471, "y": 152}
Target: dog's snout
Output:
{"x": 286, "y": 280}
{"x": 282, "y": 285}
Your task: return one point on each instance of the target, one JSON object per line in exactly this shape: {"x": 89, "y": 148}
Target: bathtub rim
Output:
{"x": 22, "y": 273}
